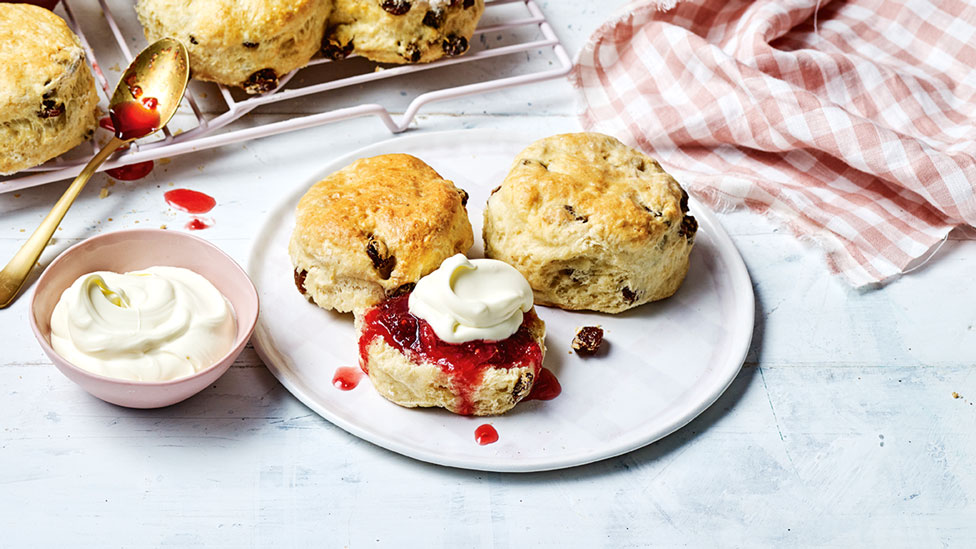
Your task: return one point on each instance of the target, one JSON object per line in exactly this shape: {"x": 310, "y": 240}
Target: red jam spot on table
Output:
{"x": 133, "y": 119}
{"x": 193, "y": 202}
{"x": 486, "y": 434}
{"x": 132, "y": 171}
{"x": 546, "y": 386}
{"x": 347, "y": 378}
{"x": 464, "y": 363}
{"x": 197, "y": 224}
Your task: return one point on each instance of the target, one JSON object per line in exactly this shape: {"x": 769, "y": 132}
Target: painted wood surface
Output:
{"x": 851, "y": 424}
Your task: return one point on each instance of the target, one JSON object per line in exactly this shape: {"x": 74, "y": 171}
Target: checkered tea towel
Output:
{"x": 853, "y": 122}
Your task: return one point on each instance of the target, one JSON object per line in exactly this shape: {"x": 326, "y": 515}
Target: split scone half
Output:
{"x": 591, "y": 223}
{"x": 48, "y": 102}
{"x": 247, "y": 44}
{"x": 372, "y": 229}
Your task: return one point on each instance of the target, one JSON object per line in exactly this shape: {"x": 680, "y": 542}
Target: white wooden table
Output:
{"x": 841, "y": 430}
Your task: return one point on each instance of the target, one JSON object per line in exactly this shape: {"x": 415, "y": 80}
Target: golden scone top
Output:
{"x": 247, "y": 44}
{"x": 380, "y": 222}
{"x": 591, "y": 223}
{"x": 591, "y": 184}
{"x": 38, "y": 49}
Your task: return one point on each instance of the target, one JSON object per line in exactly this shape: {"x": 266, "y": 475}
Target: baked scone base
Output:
{"x": 591, "y": 223}
{"x": 426, "y": 385}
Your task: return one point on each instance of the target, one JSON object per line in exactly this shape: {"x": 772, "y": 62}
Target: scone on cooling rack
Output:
{"x": 372, "y": 229}
{"x": 245, "y": 44}
{"x": 402, "y": 31}
{"x": 592, "y": 224}
{"x": 466, "y": 339}
{"x": 48, "y": 102}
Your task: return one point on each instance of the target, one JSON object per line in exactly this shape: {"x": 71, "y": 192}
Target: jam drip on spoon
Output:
{"x": 134, "y": 119}
{"x": 464, "y": 363}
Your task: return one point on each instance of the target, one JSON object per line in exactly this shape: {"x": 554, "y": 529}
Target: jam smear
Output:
{"x": 486, "y": 434}
{"x": 133, "y": 119}
{"x": 347, "y": 378}
{"x": 197, "y": 224}
{"x": 464, "y": 363}
{"x": 132, "y": 171}
{"x": 193, "y": 202}
{"x": 546, "y": 386}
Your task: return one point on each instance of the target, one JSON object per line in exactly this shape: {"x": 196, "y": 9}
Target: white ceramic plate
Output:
{"x": 666, "y": 362}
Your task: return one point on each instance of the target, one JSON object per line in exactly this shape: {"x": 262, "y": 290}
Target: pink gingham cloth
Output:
{"x": 853, "y": 122}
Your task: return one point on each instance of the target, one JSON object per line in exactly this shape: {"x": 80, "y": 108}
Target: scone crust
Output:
{"x": 591, "y": 223}
{"x": 232, "y": 41}
{"x": 424, "y": 32}
{"x": 48, "y": 101}
{"x": 426, "y": 385}
{"x": 374, "y": 228}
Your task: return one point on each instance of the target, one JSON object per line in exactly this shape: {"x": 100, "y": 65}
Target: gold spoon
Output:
{"x": 145, "y": 99}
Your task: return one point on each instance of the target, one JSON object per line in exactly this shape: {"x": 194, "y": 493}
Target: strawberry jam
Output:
{"x": 485, "y": 434}
{"x": 133, "y": 119}
{"x": 193, "y": 202}
{"x": 131, "y": 172}
{"x": 546, "y": 386}
{"x": 464, "y": 363}
{"x": 197, "y": 224}
{"x": 346, "y": 378}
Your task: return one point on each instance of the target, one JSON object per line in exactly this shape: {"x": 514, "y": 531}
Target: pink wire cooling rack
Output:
{"x": 509, "y": 28}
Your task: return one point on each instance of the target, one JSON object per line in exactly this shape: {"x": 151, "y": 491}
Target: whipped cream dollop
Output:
{"x": 157, "y": 324}
{"x": 469, "y": 299}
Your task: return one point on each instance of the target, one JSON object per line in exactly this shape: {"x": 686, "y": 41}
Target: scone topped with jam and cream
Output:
{"x": 466, "y": 339}
{"x": 372, "y": 229}
{"x": 592, "y": 224}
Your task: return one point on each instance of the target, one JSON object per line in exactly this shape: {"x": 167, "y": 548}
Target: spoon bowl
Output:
{"x": 151, "y": 89}
{"x": 145, "y": 99}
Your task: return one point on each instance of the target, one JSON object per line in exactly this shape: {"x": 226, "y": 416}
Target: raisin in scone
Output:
{"x": 592, "y": 224}
{"x": 402, "y": 31}
{"x": 48, "y": 102}
{"x": 466, "y": 339}
{"x": 246, "y": 44}
{"x": 372, "y": 229}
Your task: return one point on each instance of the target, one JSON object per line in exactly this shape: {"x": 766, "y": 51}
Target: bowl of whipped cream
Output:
{"x": 143, "y": 318}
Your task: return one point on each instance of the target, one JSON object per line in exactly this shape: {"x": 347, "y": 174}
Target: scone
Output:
{"x": 48, "y": 102}
{"x": 247, "y": 44}
{"x": 402, "y": 31}
{"x": 467, "y": 339}
{"x": 372, "y": 229}
{"x": 591, "y": 223}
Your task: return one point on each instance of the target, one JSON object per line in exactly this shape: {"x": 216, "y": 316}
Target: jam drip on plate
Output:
{"x": 464, "y": 363}
{"x": 485, "y": 434}
{"x": 347, "y": 378}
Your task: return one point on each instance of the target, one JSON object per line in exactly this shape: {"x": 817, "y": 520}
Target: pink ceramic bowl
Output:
{"x": 124, "y": 251}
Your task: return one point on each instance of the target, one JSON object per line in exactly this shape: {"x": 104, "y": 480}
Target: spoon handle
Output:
{"x": 13, "y": 276}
